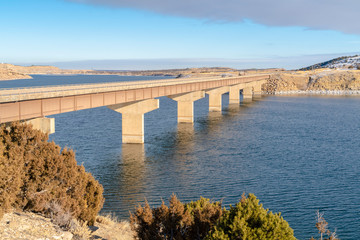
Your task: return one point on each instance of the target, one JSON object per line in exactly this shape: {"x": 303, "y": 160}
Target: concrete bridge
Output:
{"x": 131, "y": 99}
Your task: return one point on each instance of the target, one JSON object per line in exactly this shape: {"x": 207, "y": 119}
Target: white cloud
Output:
{"x": 338, "y": 15}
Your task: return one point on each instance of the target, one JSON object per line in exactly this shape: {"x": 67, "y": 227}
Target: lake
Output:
{"x": 297, "y": 154}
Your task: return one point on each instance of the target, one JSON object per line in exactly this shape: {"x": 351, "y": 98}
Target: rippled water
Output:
{"x": 47, "y": 80}
{"x": 296, "y": 154}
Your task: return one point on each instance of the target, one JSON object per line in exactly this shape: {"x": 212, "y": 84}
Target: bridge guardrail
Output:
{"x": 18, "y": 94}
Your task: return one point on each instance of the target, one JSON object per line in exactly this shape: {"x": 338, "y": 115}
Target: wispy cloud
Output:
{"x": 338, "y": 15}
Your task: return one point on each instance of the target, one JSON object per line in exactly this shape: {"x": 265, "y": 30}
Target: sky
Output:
{"x": 164, "y": 34}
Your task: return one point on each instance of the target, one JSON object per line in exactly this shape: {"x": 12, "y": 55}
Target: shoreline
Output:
{"x": 318, "y": 92}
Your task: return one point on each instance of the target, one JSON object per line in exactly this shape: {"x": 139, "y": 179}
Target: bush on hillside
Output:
{"x": 35, "y": 173}
{"x": 207, "y": 220}
{"x": 249, "y": 220}
{"x": 179, "y": 221}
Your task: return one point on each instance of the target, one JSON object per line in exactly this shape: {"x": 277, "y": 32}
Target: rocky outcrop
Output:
{"x": 313, "y": 81}
{"x": 286, "y": 82}
{"x": 338, "y": 80}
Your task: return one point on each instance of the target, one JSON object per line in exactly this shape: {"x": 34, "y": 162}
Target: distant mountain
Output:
{"x": 346, "y": 62}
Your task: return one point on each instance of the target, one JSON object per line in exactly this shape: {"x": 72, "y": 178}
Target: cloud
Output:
{"x": 338, "y": 15}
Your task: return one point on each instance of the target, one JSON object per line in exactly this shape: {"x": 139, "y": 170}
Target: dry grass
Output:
{"x": 107, "y": 219}
{"x": 80, "y": 230}
{"x": 112, "y": 229}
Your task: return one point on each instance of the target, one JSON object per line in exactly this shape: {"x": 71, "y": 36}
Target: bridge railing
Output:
{"x": 18, "y": 94}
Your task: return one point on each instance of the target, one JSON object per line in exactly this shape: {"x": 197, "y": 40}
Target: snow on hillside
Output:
{"x": 350, "y": 62}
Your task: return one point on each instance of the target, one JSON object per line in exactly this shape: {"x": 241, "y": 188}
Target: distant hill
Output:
{"x": 345, "y": 62}
{"x": 12, "y": 72}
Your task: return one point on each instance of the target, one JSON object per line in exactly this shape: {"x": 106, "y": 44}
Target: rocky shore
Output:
{"x": 324, "y": 81}
{"x": 319, "y": 92}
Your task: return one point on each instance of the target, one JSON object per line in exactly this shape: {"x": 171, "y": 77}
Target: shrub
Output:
{"x": 178, "y": 221}
{"x": 249, "y": 220}
{"x": 35, "y": 173}
{"x": 204, "y": 219}
{"x": 322, "y": 226}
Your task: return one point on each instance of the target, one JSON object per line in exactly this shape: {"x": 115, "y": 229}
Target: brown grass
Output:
{"x": 111, "y": 228}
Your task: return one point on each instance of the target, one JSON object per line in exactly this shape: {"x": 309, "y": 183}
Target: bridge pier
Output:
{"x": 257, "y": 88}
{"x": 234, "y": 93}
{"x": 247, "y": 93}
{"x": 46, "y": 125}
{"x": 215, "y": 96}
{"x": 133, "y": 118}
{"x": 185, "y": 105}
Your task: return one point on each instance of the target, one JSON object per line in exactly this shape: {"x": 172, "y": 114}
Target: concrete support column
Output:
{"x": 133, "y": 118}
{"x": 185, "y": 105}
{"x": 234, "y": 93}
{"x": 215, "y": 96}
{"x": 46, "y": 125}
{"x": 257, "y": 88}
{"x": 247, "y": 93}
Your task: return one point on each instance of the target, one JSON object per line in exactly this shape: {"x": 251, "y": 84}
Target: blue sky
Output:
{"x": 136, "y": 35}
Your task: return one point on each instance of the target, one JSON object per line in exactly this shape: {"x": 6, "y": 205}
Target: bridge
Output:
{"x": 131, "y": 99}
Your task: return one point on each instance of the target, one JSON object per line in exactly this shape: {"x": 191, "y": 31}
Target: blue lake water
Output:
{"x": 52, "y": 80}
{"x": 297, "y": 154}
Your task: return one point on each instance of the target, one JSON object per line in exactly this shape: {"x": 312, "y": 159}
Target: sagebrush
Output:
{"x": 249, "y": 220}
{"x": 178, "y": 221}
{"x": 35, "y": 173}
{"x": 204, "y": 219}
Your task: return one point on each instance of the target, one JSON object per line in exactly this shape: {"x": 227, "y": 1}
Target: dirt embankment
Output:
{"x": 318, "y": 80}
{"x": 26, "y": 225}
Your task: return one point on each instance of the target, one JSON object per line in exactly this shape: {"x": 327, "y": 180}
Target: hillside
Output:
{"x": 27, "y": 225}
{"x": 8, "y": 74}
{"x": 12, "y": 72}
{"x": 346, "y": 62}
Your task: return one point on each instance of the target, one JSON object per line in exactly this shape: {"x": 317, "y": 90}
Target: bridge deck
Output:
{"x": 26, "y": 103}
{"x": 21, "y": 94}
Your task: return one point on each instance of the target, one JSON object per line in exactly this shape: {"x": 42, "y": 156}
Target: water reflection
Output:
{"x": 185, "y": 136}
{"x": 133, "y": 153}
{"x": 233, "y": 108}
{"x": 132, "y": 169}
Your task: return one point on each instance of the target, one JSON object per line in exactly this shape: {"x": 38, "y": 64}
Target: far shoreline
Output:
{"x": 317, "y": 92}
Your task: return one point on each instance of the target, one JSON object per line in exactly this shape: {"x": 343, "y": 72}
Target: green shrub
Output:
{"x": 249, "y": 220}
{"x": 35, "y": 172}
{"x": 179, "y": 221}
{"x": 204, "y": 219}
